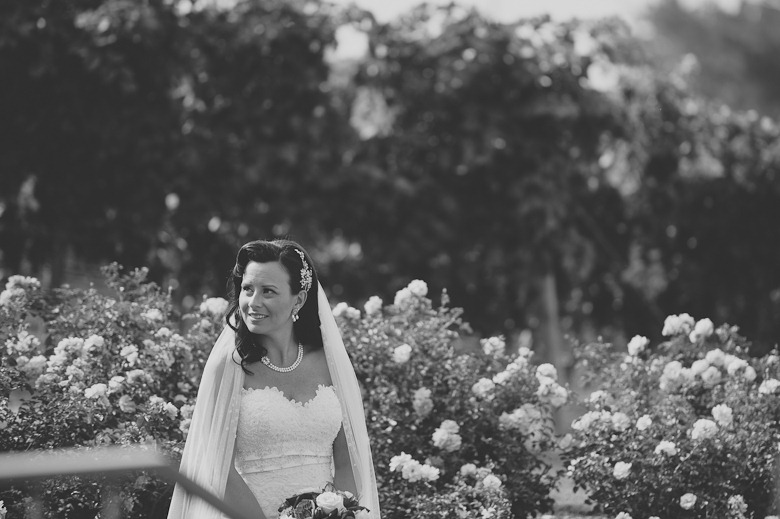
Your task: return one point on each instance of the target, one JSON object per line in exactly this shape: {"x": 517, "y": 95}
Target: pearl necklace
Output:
{"x": 289, "y": 368}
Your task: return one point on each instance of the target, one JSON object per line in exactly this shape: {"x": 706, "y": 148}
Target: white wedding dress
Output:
{"x": 284, "y": 447}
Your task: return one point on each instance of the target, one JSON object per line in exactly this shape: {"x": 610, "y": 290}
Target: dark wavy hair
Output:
{"x": 306, "y": 330}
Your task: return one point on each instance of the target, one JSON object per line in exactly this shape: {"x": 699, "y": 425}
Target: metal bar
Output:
{"x": 35, "y": 465}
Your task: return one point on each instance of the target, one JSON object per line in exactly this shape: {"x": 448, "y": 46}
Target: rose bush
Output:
{"x": 459, "y": 434}
{"x": 435, "y": 412}
{"x": 85, "y": 368}
{"x": 687, "y": 429}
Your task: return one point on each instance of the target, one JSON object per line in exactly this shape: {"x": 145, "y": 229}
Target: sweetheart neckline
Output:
{"x": 274, "y": 389}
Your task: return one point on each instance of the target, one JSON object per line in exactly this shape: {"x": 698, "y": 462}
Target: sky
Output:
{"x": 353, "y": 44}
{"x": 511, "y": 10}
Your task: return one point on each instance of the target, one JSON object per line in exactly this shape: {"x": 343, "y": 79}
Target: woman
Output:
{"x": 279, "y": 408}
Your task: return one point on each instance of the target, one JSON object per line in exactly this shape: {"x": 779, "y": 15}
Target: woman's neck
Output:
{"x": 282, "y": 349}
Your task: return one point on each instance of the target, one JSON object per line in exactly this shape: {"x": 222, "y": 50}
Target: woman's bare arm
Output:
{"x": 238, "y": 494}
{"x": 344, "y": 478}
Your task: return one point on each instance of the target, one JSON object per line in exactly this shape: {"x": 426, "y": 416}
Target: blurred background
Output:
{"x": 562, "y": 168}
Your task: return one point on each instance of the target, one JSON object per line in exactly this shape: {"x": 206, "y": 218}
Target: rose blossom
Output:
{"x": 699, "y": 366}
{"x": 620, "y": 421}
{"x": 666, "y": 447}
{"x": 703, "y": 429}
{"x": 492, "y": 482}
{"x": 126, "y": 404}
{"x": 687, "y": 501}
{"x": 171, "y": 409}
{"x": 644, "y": 422}
{"x": 723, "y": 415}
{"x": 715, "y": 357}
{"x": 677, "y": 324}
{"x": 483, "y": 387}
{"x": 547, "y": 370}
{"x": 769, "y": 386}
{"x": 216, "y": 306}
{"x": 418, "y": 287}
{"x": 469, "y": 469}
{"x": 703, "y": 329}
{"x": 373, "y": 305}
{"x": 402, "y": 354}
{"x": 422, "y": 402}
{"x": 493, "y": 345}
{"x": 637, "y": 345}
{"x": 329, "y": 501}
{"x": 711, "y": 376}
{"x": 621, "y": 470}
{"x": 446, "y": 437}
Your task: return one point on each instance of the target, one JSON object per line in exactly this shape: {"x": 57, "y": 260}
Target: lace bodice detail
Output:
{"x": 284, "y": 446}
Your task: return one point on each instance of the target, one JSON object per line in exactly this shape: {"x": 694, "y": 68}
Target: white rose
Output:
{"x": 769, "y": 386}
{"x": 715, "y": 357}
{"x": 483, "y": 387}
{"x": 703, "y": 429}
{"x": 637, "y": 344}
{"x": 130, "y": 353}
{"x": 96, "y": 391}
{"x": 723, "y": 415}
{"x": 621, "y": 470}
{"x": 340, "y": 309}
{"x": 677, "y": 324}
{"x": 703, "y": 329}
{"x": 687, "y": 501}
{"x": 620, "y": 421}
{"x": 215, "y": 306}
{"x": 398, "y": 462}
{"x": 666, "y": 447}
{"x": 711, "y": 376}
{"x": 329, "y": 501}
{"x": 584, "y": 422}
{"x": 171, "y": 409}
{"x": 558, "y": 396}
{"x": 672, "y": 370}
{"x": 644, "y": 422}
{"x": 402, "y": 354}
{"x": 422, "y": 402}
{"x": 126, "y": 404}
{"x": 403, "y": 298}
{"x": 699, "y": 366}
{"x": 493, "y": 345}
{"x": 373, "y": 306}
{"x": 547, "y": 370}
{"x": 492, "y": 482}
{"x": 734, "y": 364}
{"x": 153, "y": 314}
{"x": 469, "y": 469}
{"x": 446, "y": 437}
{"x": 418, "y": 287}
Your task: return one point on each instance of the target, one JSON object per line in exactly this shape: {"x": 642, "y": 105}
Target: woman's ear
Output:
{"x": 300, "y": 299}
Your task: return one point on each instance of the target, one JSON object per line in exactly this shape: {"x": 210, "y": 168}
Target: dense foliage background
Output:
{"x": 561, "y": 177}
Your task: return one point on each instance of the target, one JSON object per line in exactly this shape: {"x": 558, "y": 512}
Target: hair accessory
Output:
{"x": 306, "y": 276}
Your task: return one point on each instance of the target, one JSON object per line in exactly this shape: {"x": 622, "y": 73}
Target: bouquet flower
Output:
{"x": 328, "y": 504}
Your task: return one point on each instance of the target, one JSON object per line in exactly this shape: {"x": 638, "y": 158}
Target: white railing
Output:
{"x": 103, "y": 461}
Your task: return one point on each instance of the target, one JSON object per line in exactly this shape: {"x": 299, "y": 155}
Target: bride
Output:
{"x": 279, "y": 409}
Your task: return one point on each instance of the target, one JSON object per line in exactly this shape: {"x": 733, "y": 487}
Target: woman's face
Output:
{"x": 266, "y": 302}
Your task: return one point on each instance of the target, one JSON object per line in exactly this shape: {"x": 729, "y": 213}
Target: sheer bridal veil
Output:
{"x": 208, "y": 451}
